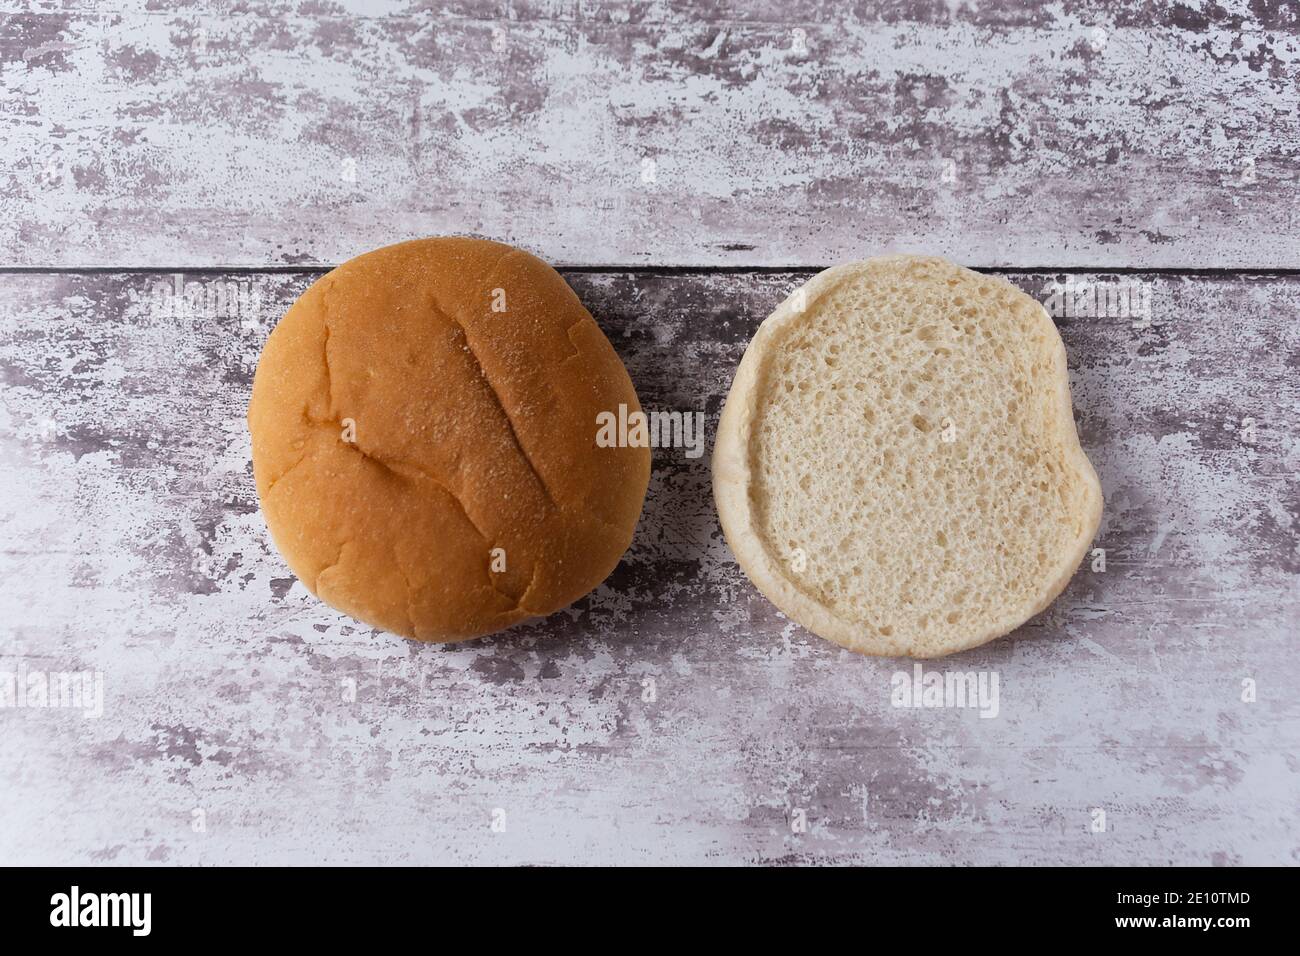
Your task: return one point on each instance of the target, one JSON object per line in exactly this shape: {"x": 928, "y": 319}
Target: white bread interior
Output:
{"x": 897, "y": 466}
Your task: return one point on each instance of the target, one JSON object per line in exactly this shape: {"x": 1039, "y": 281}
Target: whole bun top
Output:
{"x": 424, "y": 424}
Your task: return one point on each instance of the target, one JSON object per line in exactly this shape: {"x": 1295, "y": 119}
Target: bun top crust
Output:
{"x": 424, "y": 424}
{"x": 897, "y": 467}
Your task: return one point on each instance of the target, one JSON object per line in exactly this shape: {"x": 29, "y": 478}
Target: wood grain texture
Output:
{"x": 249, "y": 134}
{"x": 133, "y": 546}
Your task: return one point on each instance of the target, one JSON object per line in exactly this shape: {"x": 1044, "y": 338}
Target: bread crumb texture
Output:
{"x": 914, "y": 466}
{"x": 423, "y": 423}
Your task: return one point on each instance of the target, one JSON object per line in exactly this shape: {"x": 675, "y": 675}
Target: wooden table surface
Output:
{"x": 685, "y": 166}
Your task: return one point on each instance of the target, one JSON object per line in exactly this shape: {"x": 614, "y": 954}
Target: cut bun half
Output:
{"x": 897, "y": 467}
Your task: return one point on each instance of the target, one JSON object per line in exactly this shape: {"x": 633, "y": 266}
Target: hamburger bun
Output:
{"x": 897, "y": 467}
{"x": 423, "y": 427}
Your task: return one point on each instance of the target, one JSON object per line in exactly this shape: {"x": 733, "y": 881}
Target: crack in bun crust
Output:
{"x": 405, "y": 427}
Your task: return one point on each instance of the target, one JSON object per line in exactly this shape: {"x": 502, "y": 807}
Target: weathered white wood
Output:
{"x": 133, "y": 546}
{"x": 784, "y": 134}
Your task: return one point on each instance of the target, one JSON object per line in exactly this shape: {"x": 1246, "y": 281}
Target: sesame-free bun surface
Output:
{"x": 897, "y": 467}
{"x": 429, "y": 465}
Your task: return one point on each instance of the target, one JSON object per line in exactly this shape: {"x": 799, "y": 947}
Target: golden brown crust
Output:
{"x": 472, "y": 430}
